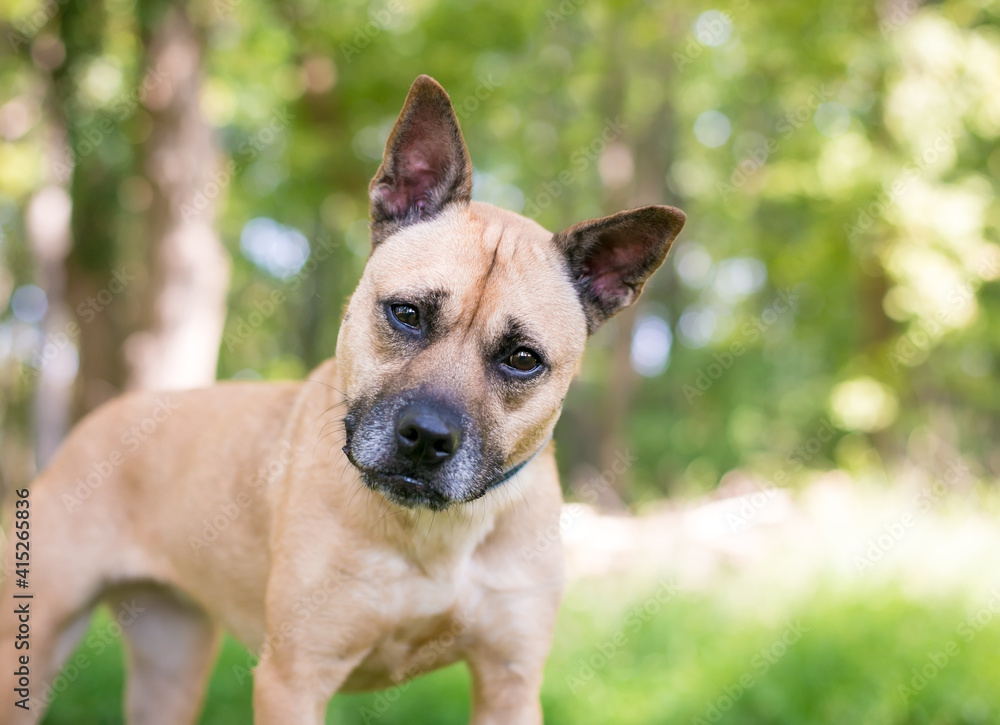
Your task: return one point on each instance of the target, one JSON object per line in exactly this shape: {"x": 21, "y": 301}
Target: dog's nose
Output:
{"x": 426, "y": 435}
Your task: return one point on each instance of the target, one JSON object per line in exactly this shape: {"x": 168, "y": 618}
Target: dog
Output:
{"x": 366, "y": 525}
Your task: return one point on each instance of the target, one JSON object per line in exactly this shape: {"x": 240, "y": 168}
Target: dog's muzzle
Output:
{"x": 421, "y": 451}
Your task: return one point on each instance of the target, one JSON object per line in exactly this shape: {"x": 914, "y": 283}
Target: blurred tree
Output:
{"x": 837, "y": 162}
{"x": 47, "y": 225}
{"x": 91, "y": 143}
{"x": 177, "y": 345}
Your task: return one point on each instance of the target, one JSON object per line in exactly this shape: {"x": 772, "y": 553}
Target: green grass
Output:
{"x": 672, "y": 662}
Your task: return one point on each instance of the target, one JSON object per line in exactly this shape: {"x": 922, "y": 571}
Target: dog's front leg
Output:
{"x": 505, "y": 693}
{"x": 509, "y": 645}
{"x": 292, "y": 685}
{"x": 310, "y": 648}
{"x": 280, "y": 695}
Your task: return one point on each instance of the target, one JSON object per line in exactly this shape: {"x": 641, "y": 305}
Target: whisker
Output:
{"x": 337, "y": 423}
{"x": 331, "y": 387}
{"x": 357, "y": 490}
{"x": 322, "y": 438}
{"x": 347, "y": 462}
{"x": 335, "y": 405}
{"x": 520, "y": 492}
{"x": 430, "y": 525}
{"x": 393, "y": 512}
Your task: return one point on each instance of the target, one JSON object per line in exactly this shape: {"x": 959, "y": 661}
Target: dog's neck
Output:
{"x": 440, "y": 540}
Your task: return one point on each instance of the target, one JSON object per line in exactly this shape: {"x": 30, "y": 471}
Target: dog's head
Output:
{"x": 469, "y": 322}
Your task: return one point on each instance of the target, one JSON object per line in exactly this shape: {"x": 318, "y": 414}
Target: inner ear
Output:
{"x": 611, "y": 258}
{"x": 425, "y": 165}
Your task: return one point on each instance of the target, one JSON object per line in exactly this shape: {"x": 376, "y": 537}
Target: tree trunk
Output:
{"x": 48, "y": 228}
{"x": 633, "y": 173}
{"x": 93, "y": 188}
{"x": 178, "y": 344}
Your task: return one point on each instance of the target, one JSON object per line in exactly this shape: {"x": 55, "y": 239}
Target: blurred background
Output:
{"x": 780, "y": 465}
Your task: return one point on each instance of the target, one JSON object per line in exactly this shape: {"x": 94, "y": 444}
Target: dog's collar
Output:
{"x": 514, "y": 470}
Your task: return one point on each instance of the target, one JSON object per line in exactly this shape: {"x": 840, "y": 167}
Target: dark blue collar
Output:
{"x": 514, "y": 470}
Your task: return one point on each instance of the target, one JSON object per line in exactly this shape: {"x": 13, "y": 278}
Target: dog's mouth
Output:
{"x": 400, "y": 488}
{"x": 405, "y": 490}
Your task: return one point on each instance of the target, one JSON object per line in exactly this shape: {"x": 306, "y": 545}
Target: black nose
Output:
{"x": 427, "y": 435}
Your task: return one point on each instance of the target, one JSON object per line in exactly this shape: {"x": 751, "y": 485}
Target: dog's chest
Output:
{"x": 413, "y": 649}
{"x": 427, "y": 623}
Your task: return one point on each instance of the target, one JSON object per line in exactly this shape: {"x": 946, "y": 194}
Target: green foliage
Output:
{"x": 873, "y": 656}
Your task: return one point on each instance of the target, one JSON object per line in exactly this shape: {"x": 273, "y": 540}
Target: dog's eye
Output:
{"x": 406, "y": 315}
{"x": 523, "y": 360}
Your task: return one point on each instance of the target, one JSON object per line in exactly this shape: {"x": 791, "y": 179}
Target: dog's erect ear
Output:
{"x": 425, "y": 165}
{"x": 611, "y": 258}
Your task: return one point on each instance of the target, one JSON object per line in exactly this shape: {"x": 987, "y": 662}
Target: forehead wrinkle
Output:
{"x": 478, "y": 291}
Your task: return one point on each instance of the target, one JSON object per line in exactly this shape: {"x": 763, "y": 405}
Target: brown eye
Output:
{"x": 523, "y": 360}
{"x": 406, "y": 315}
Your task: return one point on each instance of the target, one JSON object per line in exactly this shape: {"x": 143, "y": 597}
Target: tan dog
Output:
{"x": 366, "y": 525}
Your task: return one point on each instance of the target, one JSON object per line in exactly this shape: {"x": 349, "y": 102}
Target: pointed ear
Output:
{"x": 425, "y": 166}
{"x": 612, "y": 257}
